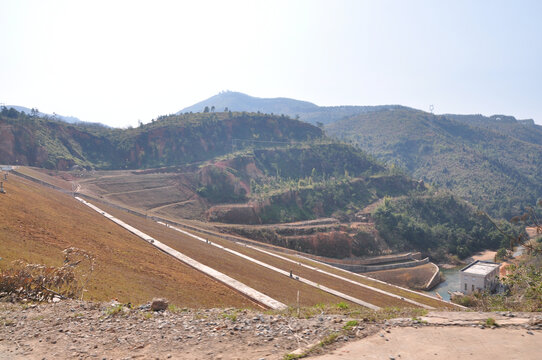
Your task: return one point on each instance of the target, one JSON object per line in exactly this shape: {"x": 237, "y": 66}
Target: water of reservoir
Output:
{"x": 451, "y": 283}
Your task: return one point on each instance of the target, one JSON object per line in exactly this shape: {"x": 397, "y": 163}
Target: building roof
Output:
{"x": 480, "y": 267}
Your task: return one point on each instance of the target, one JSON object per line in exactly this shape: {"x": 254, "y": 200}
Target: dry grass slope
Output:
{"x": 38, "y": 223}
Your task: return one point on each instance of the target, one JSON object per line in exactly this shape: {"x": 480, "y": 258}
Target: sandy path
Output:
{"x": 487, "y": 255}
{"x": 443, "y": 343}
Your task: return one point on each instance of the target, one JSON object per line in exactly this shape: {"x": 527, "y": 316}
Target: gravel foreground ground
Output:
{"x": 83, "y": 330}
{"x": 71, "y": 329}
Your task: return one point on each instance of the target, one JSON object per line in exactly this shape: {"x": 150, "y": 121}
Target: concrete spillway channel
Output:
{"x": 242, "y": 288}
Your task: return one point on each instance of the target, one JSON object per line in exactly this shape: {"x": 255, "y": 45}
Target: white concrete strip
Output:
{"x": 280, "y": 271}
{"x": 244, "y": 289}
{"x": 434, "y": 275}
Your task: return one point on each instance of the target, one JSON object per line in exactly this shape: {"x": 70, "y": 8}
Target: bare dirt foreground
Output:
{"x": 84, "y": 330}
{"x": 451, "y": 335}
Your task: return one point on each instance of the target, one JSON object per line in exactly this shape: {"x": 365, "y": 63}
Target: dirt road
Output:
{"x": 443, "y": 343}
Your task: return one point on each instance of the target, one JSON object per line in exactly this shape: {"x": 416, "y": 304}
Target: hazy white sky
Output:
{"x": 118, "y": 62}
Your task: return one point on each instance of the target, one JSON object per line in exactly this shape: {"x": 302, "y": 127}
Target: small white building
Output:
{"x": 479, "y": 276}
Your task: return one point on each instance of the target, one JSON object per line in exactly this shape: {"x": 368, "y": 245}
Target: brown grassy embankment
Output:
{"x": 267, "y": 281}
{"x": 37, "y": 223}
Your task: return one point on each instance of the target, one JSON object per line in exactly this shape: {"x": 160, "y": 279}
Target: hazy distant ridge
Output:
{"x": 307, "y": 111}
{"x": 68, "y": 119}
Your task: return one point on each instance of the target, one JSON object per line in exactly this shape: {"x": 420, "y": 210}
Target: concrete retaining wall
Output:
{"x": 371, "y": 268}
{"x": 370, "y": 261}
{"x": 435, "y": 279}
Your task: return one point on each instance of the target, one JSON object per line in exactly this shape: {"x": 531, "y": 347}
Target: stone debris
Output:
{"x": 79, "y": 329}
{"x": 159, "y": 304}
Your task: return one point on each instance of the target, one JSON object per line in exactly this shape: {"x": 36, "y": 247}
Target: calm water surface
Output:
{"x": 451, "y": 282}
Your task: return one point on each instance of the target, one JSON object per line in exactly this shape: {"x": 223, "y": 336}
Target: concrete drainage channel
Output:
{"x": 251, "y": 293}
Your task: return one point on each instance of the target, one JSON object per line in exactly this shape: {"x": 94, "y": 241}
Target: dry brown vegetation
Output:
{"x": 38, "y": 223}
{"x": 38, "y": 282}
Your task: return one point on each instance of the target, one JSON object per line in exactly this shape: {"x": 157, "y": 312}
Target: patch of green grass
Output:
{"x": 200, "y": 316}
{"x": 293, "y": 356}
{"x": 175, "y": 309}
{"x": 7, "y": 322}
{"x": 147, "y": 315}
{"x": 350, "y": 324}
{"x": 330, "y": 339}
{"x": 491, "y": 322}
{"x": 232, "y": 317}
{"x": 114, "y": 310}
{"x": 342, "y": 305}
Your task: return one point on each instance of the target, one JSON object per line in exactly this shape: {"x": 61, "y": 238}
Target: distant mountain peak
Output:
{"x": 237, "y": 101}
{"x": 307, "y": 111}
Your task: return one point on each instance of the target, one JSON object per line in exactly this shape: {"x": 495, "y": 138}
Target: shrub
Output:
{"x": 39, "y": 282}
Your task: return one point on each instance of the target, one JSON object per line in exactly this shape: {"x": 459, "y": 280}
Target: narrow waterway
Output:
{"x": 451, "y": 282}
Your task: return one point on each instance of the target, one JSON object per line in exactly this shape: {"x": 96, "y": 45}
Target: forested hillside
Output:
{"x": 170, "y": 140}
{"x": 496, "y": 163}
{"x": 439, "y": 224}
{"x": 297, "y": 182}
